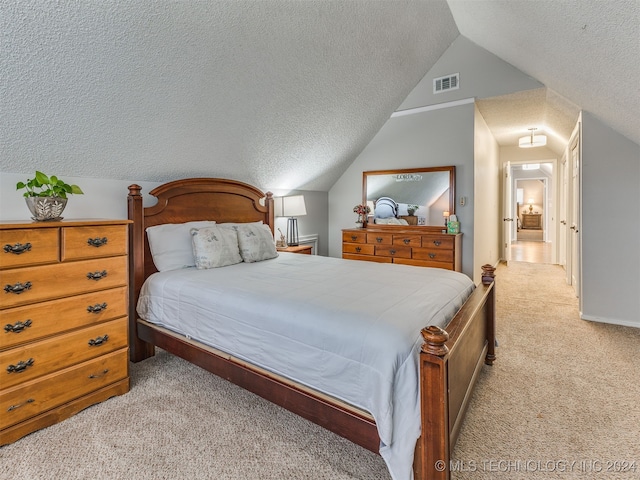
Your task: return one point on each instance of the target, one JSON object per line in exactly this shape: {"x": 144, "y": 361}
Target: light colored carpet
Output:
{"x": 562, "y": 390}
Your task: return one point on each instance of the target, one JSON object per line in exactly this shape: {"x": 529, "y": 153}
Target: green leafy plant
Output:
{"x": 45, "y": 186}
{"x": 411, "y": 209}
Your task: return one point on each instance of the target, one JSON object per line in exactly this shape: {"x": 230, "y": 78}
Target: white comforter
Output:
{"x": 349, "y": 329}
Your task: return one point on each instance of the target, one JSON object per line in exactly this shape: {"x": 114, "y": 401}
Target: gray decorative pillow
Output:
{"x": 256, "y": 242}
{"x": 215, "y": 247}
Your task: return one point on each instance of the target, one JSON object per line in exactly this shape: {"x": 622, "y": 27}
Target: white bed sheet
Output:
{"x": 347, "y": 328}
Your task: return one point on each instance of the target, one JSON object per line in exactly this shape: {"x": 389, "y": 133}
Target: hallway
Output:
{"x": 531, "y": 251}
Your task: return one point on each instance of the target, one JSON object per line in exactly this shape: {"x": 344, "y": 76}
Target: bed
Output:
{"x": 445, "y": 359}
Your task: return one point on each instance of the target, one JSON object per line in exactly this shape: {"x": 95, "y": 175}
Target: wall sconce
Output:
{"x": 531, "y": 205}
{"x": 291, "y": 207}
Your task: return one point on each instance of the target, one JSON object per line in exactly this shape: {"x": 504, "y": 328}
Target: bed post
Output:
{"x": 432, "y": 453}
{"x": 138, "y": 350}
{"x": 450, "y": 362}
{"x": 488, "y": 277}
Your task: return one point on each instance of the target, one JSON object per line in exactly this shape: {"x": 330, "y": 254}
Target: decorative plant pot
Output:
{"x": 46, "y": 208}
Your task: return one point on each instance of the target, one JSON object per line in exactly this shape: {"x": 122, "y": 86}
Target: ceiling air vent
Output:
{"x": 446, "y": 83}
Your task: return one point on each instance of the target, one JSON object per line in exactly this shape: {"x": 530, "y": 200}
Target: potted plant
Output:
{"x": 411, "y": 209}
{"x": 46, "y": 196}
{"x": 362, "y": 211}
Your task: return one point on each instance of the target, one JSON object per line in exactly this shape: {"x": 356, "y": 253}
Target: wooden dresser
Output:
{"x": 531, "y": 221}
{"x": 408, "y": 246}
{"x": 63, "y": 314}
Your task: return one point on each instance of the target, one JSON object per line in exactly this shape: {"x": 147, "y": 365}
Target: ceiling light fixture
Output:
{"x": 532, "y": 140}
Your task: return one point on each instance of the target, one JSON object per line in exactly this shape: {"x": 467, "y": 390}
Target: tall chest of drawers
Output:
{"x": 63, "y": 320}
{"x": 406, "y": 246}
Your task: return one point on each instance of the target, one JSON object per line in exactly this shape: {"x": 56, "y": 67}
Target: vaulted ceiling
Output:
{"x": 281, "y": 93}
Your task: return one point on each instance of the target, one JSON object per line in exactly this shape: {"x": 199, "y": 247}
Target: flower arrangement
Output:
{"x": 362, "y": 209}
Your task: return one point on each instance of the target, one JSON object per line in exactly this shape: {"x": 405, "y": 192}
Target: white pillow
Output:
{"x": 256, "y": 242}
{"x": 215, "y": 247}
{"x": 170, "y": 244}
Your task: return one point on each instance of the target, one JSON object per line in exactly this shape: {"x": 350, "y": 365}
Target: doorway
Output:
{"x": 534, "y": 234}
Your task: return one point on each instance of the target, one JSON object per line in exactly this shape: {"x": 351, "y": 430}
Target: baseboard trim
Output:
{"x": 610, "y": 321}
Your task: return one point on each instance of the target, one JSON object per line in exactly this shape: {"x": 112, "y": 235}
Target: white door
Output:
{"x": 574, "y": 229}
{"x": 562, "y": 227}
{"x": 507, "y": 219}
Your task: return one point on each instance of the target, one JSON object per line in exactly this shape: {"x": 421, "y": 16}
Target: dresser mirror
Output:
{"x": 420, "y": 197}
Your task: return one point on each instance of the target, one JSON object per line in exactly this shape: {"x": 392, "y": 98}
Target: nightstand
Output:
{"x": 304, "y": 249}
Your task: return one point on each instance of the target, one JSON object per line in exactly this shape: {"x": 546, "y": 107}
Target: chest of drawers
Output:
{"x": 531, "y": 220}
{"x": 406, "y": 246}
{"x": 63, "y": 320}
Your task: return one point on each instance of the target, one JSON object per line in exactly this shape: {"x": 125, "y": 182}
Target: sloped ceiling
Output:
{"x": 584, "y": 51}
{"x": 282, "y": 94}
{"x": 277, "y": 93}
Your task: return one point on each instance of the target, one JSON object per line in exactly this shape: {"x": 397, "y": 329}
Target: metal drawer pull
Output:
{"x": 18, "y": 288}
{"x": 17, "y": 327}
{"x": 392, "y": 252}
{"x": 379, "y": 239}
{"x": 97, "y": 308}
{"x": 98, "y": 341}
{"x": 354, "y": 238}
{"x": 18, "y": 248}
{"x": 96, "y": 275}
{"x": 432, "y": 255}
{"x": 97, "y": 242}
{"x": 13, "y": 407}
{"x": 98, "y": 375}
{"x": 407, "y": 241}
{"x": 437, "y": 243}
{"x": 20, "y": 367}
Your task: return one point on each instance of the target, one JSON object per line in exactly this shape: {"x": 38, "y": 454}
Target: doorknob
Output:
{"x": 507, "y": 219}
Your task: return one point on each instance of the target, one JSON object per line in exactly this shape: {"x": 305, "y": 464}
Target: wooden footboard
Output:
{"x": 450, "y": 360}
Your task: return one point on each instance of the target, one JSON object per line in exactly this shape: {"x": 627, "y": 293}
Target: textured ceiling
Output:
{"x": 586, "y": 52}
{"x": 281, "y": 93}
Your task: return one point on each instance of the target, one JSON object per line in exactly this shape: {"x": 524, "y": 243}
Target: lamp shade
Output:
{"x": 293, "y": 206}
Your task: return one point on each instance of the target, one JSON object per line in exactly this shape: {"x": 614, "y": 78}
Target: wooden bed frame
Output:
{"x": 449, "y": 362}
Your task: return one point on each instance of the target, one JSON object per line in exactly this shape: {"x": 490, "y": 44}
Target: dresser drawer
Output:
{"x": 368, "y": 258}
{"x": 23, "y": 247}
{"x": 380, "y": 238}
{"x": 32, "y": 322}
{"x": 424, "y": 263}
{"x": 95, "y": 241}
{"x": 54, "y": 353}
{"x": 354, "y": 237}
{"x": 408, "y": 240}
{"x": 37, "y": 396}
{"x": 394, "y": 251}
{"x": 432, "y": 254}
{"x": 35, "y": 284}
{"x": 442, "y": 242}
{"x": 362, "y": 249}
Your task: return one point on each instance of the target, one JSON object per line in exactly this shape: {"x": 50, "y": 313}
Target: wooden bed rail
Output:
{"x": 449, "y": 366}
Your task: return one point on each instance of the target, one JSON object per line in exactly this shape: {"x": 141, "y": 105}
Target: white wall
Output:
{"x": 487, "y": 224}
{"x": 434, "y": 138}
{"x": 108, "y": 199}
{"x": 610, "y": 230}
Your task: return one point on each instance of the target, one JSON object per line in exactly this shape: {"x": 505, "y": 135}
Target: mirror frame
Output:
{"x": 429, "y": 228}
